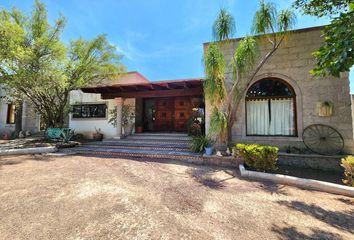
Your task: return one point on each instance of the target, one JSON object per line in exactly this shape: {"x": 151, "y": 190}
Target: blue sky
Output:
{"x": 159, "y": 38}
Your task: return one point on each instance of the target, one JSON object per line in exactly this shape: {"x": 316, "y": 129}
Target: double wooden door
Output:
{"x": 172, "y": 114}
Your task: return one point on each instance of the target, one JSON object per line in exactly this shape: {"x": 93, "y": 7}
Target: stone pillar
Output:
{"x": 24, "y": 117}
{"x": 38, "y": 123}
{"x": 119, "y": 107}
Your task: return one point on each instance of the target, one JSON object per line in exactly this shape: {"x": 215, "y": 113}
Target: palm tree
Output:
{"x": 224, "y": 26}
{"x": 267, "y": 23}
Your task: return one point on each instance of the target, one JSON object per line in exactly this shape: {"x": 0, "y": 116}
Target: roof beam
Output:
{"x": 156, "y": 93}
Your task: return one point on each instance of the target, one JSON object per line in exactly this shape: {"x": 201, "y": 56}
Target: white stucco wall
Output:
{"x": 87, "y": 126}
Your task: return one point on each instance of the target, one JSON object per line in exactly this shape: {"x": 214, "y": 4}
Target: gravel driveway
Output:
{"x": 75, "y": 197}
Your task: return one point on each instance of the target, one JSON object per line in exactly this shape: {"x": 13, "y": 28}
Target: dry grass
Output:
{"x": 75, "y": 197}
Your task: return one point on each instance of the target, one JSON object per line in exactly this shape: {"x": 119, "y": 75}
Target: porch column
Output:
{"x": 119, "y": 107}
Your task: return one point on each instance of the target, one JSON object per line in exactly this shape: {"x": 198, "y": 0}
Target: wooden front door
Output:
{"x": 172, "y": 114}
{"x": 164, "y": 114}
{"x": 182, "y": 113}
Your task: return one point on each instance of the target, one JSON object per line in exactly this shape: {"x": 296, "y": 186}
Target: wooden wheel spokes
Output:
{"x": 323, "y": 139}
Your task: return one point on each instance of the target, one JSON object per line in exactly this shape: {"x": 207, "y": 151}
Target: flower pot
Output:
{"x": 98, "y": 136}
{"x": 139, "y": 129}
{"x": 128, "y": 129}
{"x": 208, "y": 150}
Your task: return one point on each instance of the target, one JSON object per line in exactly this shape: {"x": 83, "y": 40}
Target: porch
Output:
{"x": 159, "y": 107}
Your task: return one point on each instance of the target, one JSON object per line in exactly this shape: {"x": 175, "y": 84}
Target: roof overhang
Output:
{"x": 185, "y": 87}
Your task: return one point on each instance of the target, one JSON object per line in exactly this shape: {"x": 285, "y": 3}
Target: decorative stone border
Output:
{"x": 298, "y": 182}
{"x": 194, "y": 159}
{"x": 24, "y": 151}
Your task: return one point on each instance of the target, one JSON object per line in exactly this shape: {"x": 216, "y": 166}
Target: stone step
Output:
{"x": 162, "y": 134}
{"x": 147, "y": 141}
{"x": 142, "y": 152}
{"x": 158, "y": 137}
{"x": 132, "y": 143}
{"x": 140, "y": 147}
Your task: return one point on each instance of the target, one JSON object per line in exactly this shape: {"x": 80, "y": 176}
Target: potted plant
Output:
{"x": 138, "y": 129}
{"x": 201, "y": 144}
{"x": 128, "y": 116}
{"x": 97, "y": 135}
{"x": 209, "y": 148}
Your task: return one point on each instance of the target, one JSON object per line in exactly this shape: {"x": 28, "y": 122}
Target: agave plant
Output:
{"x": 66, "y": 135}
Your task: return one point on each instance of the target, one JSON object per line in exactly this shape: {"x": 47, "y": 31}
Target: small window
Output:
{"x": 11, "y": 109}
{"x": 89, "y": 111}
{"x": 181, "y": 114}
{"x": 181, "y": 103}
{"x": 164, "y": 115}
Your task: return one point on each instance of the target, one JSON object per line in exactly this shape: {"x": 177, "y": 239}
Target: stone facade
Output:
{"x": 292, "y": 63}
{"x": 314, "y": 161}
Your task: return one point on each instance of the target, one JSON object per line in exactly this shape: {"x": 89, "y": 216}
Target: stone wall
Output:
{"x": 30, "y": 119}
{"x": 325, "y": 163}
{"x": 292, "y": 63}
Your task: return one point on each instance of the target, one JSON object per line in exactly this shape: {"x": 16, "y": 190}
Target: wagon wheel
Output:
{"x": 323, "y": 139}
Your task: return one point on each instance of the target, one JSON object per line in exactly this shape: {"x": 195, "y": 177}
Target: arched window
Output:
{"x": 270, "y": 109}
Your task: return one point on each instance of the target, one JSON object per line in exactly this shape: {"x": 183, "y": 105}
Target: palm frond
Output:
{"x": 214, "y": 87}
{"x": 286, "y": 20}
{"x": 264, "y": 19}
{"x": 218, "y": 122}
{"x": 245, "y": 56}
{"x": 224, "y": 26}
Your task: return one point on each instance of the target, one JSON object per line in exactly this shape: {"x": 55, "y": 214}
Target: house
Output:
{"x": 278, "y": 105}
{"x": 30, "y": 119}
{"x": 159, "y": 106}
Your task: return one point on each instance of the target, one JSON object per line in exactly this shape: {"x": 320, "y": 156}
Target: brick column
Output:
{"x": 119, "y": 107}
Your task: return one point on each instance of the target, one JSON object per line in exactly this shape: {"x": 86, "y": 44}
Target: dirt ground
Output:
{"x": 75, "y": 197}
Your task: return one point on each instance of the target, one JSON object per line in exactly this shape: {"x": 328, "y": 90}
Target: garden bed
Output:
{"x": 309, "y": 173}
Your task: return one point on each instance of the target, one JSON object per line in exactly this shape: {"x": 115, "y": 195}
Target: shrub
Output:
{"x": 260, "y": 158}
{"x": 199, "y": 142}
{"x": 348, "y": 165}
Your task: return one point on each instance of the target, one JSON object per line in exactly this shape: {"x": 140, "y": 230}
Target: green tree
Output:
{"x": 336, "y": 53}
{"x": 246, "y": 62}
{"x": 36, "y": 65}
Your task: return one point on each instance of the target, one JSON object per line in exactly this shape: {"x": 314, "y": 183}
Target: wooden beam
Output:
{"x": 156, "y": 93}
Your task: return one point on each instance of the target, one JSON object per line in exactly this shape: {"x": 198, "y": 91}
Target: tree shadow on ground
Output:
{"x": 14, "y": 160}
{"x": 291, "y": 233}
{"x": 347, "y": 201}
{"x": 273, "y": 188}
{"x": 205, "y": 176}
{"x": 341, "y": 220}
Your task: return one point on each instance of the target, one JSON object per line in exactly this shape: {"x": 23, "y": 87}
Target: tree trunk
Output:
{"x": 229, "y": 134}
